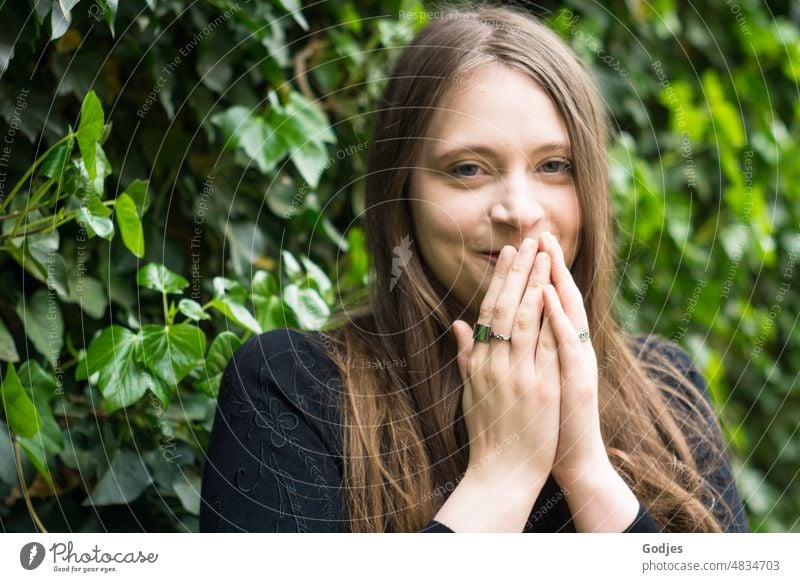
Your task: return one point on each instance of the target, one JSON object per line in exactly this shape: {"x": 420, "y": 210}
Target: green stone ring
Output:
{"x": 480, "y": 332}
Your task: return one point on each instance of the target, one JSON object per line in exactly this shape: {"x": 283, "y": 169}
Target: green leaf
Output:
{"x": 36, "y": 452}
{"x": 220, "y": 352}
{"x": 43, "y": 322}
{"x": 158, "y": 278}
{"x": 121, "y": 380}
{"x": 57, "y": 161}
{"x": 8, "y": 464}
{"x": 130, "y": 225}
{"x": 318, "y": 276}
{"x": 8, "y": 349}
{"x": 137, "y": 190}
{"x": 89, "y": 293}
{"x": 192, "y": 309}
{"x": 187, "y": 488}
{"x": 291, "y": 267}
{"x": 237, "y": 313}
{"x": 21, "y": 414}
{"x": 308, "y": 306}
{"x": 42, "y": 387}
{"x": 95, "y": 218}
{"x": 252, "y": 134}
{"x": 171, "y": 352}
{"x": 90, "y": 130}
{"x": 293, "y": 7}
{"x": 109, "y": 10}
{"x": 125, "y": 480}
{"x": 264, "y": 284}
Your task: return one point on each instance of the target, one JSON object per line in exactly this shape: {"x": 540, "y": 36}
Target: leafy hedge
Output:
{"x": 176, "y": 178}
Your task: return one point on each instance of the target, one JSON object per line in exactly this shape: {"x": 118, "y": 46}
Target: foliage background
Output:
{"x": 185, "y": 175}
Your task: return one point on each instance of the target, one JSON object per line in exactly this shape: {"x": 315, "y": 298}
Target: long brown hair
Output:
{"x": 405, "y": 443}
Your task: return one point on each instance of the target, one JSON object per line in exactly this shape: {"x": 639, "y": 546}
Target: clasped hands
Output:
{"x": 538, "y": 391}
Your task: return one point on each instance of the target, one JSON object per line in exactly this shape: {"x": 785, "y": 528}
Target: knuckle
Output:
{"x": 519, "y": 267}
{"x": 500, "y": 310}
{"x": 486, "y": 312}
{"x": 524, "y": 319}
{"x": 548, "y": 342}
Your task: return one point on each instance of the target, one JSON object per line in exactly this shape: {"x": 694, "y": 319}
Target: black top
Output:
{"x": 275, "y": 456}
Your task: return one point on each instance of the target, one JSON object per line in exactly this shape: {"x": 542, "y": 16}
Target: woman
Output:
{"x": 467, "y": 393}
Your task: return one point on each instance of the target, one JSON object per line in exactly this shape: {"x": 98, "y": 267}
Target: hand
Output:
{"x": 510, "y": 411}
{"x": 598, "y": 498}
{"x": 581, "y": 452}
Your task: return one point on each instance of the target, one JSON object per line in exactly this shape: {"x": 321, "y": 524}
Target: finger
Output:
{"x": 508, "y": 302}
{"x": 501, "y": 270}
{"x": 577, "y": 365}
{"x": 571, "y": 355}
{"x": 464, "y": 342}
{"x": 568, "y": 291}
{"x": 546, "y": 360}
{"x": 529, "y": 316}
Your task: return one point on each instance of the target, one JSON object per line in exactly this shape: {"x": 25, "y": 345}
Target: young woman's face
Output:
{"x": 494, "y": 169}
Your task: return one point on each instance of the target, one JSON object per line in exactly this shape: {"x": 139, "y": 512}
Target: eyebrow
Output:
{"x": 486, "y": 151}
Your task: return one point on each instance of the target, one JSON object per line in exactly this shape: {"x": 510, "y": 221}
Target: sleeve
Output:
{"x": 270, "y": 465}
{"x": 273, "y": 462}
{"x": 643, "y": 522}
{"x": 727, "y": 504}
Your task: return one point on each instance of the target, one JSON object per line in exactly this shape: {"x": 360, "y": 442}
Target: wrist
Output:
{"x": 598, "y": 498}
{"x": 590, "y": 474}
{"x": 486, "y": 501}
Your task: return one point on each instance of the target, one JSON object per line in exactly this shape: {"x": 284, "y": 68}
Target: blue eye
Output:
{"x": 456, "y": 169}
{"x": 556, "y": 166}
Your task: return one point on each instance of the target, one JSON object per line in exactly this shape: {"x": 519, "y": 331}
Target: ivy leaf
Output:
{"x": 171, "y": 352}
{"x": 130, "y": 224}
{"x": 318, "y": 277}
{"x": 8, "y": 464}
{"x": 192, "y": 309}
{"x": 121, "y": 380}
{"x": 158, "y": 278}
{"x": 308, "y": 306}
{"x": 293, "y": 7}
{"x": 187, "y": 487}
{"x": 95, "y": 218}
{"x": 109, "y": 10}
{"x": 8, "y": 349}
{"x": 137, "y": 190}
{"x": 21, "y": 414}
{"x": 253, "y": 134}
{"x": 220, "y": 352}
{"x": 264, "y": 284}
{"x": 237, "y": 313}
{"x": 57, "y": 161}
{"x": 41, "y": 387}
{"x": 272, "y": 313}
{"x": 44, "y": 324}
{"x": 90, "y": 130}
{"x": 127, "y": 477}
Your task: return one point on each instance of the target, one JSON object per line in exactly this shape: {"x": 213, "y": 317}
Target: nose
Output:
{"x": 519, "y": 202}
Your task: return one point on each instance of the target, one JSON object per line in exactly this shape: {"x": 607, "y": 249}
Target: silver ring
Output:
{"x": 583, "y": 334}
{"x": 505, "y": 338}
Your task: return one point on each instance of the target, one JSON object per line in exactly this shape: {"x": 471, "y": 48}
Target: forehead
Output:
{"x": 498, "y": 106}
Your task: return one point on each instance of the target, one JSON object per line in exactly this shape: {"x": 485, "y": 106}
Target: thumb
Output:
{"x": 463, "y": 334}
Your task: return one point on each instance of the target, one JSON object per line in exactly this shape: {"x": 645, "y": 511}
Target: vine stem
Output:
{"x": 24, "y": 488}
